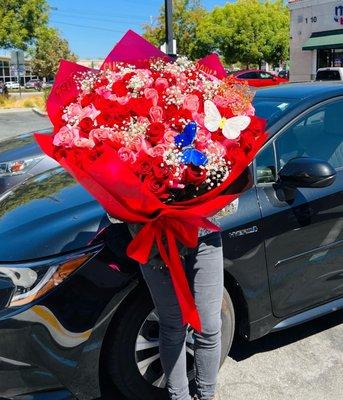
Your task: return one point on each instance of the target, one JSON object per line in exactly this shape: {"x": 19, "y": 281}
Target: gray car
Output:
{"x": 21, "y": 158}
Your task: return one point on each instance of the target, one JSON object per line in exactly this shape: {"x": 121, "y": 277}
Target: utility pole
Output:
{"x": 169, "y": 26}
{"x": 18, "y": 72}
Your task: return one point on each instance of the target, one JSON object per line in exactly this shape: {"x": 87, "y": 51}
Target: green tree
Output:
{"x": 187, "y": 15}
{"x": 48, "y": 50}
{"x": 19, "y": 20}
{"x": 249, "y": 31}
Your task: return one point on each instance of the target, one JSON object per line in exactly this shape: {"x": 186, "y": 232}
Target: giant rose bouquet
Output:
{"x": 155, "y": 141}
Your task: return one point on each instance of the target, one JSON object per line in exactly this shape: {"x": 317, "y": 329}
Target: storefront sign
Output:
{"x": 339, "y": 14}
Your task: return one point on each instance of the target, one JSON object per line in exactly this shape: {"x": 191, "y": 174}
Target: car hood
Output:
{"x": 47, "y": 215}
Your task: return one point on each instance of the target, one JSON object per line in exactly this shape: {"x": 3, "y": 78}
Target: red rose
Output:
{"x": 117, "y": 110}
{"x": 225, "y": 112}
{"x": 246, "y": 141}
{"x": 160, "y": 169}
{"x": 180, "y": 117}
{"x": 234, "y": 152}
{"x": 159, "y": 187}
{"x": 171, "y": 111}
{"x": 143, "y": 164}
{"x": 128, "y": 76}
{"x": 102, "y": 82}
{"x": 99, "y": 102}
{"x": 170, "y": 78}
{"x": 119, "y": 88}
{"x": 257, "y": 126}
{"x": 86, "y": 124}
{"x": 105, "y": 119}
{"x": 140, "y": 106}
{"x": 194, "y": 175}
{"x": 155, "y": 132}
{"x": 88, "y": 99}
{"x": 201, "y": 100}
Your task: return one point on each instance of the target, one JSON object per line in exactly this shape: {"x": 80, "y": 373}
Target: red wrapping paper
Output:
{"x": 111, "y": 182}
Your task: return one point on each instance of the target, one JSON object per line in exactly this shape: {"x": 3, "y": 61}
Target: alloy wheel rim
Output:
{"x": 147, "y": 354}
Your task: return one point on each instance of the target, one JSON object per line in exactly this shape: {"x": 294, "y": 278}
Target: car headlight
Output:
{"x": 30, "y": 281}
{"x": 17, "y": 167}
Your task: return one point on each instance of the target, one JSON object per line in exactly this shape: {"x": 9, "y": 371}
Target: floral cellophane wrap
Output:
{"x": 156, "y": 142}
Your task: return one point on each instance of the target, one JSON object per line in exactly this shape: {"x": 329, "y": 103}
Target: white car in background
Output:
{"x": 12, "y": 85}
{"x": 330, "y": 74}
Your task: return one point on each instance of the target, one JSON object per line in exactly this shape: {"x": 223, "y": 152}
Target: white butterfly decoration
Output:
{"x": 231, "y": 127}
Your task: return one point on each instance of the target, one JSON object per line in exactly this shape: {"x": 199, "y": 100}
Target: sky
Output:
{"x": 93, "y": 27}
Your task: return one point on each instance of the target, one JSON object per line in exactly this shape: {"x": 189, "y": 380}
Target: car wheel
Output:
{"x": 132, "y": 358}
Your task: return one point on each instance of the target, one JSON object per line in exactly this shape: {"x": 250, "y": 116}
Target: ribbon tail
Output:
{"x": 140, "y": 247}
{"x": 183, "y": 292}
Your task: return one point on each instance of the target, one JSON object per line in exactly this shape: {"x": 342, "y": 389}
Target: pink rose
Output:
{"x": 198, "y": 118}
{"x": 143, "y": 120}
{"x": 202, "y": 139}
{"x": 216, "y": 148}
{"x": 156, "y": 113}
{"x": 121, "y": 100}
{"x": 169, "y": 136}
{"x": 74, "y": 110}
{"x": 100, "y": 134}
{"x": 104, "y": 92}
{"x": 126, "y": 155}
{"x": 89, "y": 112}
{"x": 203, "y": 135}
{"x": 161, "y": 84}
{"x": 157, "y": 151}
{"x": 191, "y": 103}
{"x": 66, "y": 136}
{"x": 151, "y": 94}
{"x": 84, "y": 142}
{"x": 140, "y": 144}
{"x": 220, "y": 101}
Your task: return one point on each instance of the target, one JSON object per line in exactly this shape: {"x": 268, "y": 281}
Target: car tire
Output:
{"x": 123, "y": 357}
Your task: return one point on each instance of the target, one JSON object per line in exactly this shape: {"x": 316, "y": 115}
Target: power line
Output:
{"x": 96, "y": 12}
{"x": 119, "y": 21}
{"x": 87, "y": 26}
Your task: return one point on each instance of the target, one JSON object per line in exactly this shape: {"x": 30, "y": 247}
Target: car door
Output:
{"x": 304, "y": 237}
{"x": 267, "y": 79}
{"x": 251, "y": 77}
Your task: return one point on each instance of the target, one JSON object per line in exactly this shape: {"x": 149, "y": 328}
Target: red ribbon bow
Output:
{"x": 170, "y": 225}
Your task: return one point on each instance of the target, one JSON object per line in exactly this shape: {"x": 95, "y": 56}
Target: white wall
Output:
{"x": 307, "y": 17}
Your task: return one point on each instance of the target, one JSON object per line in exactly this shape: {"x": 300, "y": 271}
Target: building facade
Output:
{"x": 316, "y": 37}
{"x": 7, "y": 73}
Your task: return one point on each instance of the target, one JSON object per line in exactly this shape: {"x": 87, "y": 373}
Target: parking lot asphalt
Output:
{"x": 14, "y": 122}
{"x": 301, "y": 363}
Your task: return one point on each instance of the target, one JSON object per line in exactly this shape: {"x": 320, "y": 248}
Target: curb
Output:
{"x": 39, "y": 112}
{"x": 13, "y": 110}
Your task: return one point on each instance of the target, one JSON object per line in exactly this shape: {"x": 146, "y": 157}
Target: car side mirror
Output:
{"x": 306, "y": 172}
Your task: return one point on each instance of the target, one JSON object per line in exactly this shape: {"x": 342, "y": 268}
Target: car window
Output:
{"x": 328, "y": 75}
{"x": 266, "y": 166}
{"x": 249, "y": 75}
{"x": 319, "y": 135}
{"x": 265, "y": 75}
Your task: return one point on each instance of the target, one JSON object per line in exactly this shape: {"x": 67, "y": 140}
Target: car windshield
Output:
{"x": 271, "y": 108}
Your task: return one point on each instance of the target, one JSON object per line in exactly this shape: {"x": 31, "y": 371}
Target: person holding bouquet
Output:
{"x": 160, "y": 143}
{"x": 205, "y": 273}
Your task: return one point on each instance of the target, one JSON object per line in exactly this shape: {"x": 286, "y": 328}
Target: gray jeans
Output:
{"x": 204, "y": 269}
